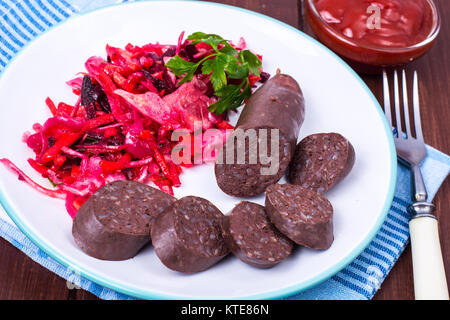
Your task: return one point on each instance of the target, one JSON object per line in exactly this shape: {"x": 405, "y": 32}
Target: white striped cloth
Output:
{"x": 22, "y": 20}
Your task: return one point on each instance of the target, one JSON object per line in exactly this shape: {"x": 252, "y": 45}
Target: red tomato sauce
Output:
{"x": 401, "y": 23}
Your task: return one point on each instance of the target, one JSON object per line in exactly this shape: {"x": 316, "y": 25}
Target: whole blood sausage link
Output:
{"x": 279, "y": 105}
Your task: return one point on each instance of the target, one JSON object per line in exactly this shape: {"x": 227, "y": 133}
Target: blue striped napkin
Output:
{"x": 22, "y": 20}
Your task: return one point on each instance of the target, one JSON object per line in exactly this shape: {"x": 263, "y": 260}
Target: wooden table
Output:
{"x": 21, "y": 278}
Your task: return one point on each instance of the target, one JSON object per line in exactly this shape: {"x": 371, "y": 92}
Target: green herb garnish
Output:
{"x": 53, "y": 183}
{"x": 223, "y": 63}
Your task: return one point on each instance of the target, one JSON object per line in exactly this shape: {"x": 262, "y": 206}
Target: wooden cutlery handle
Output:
{"x": 429, "y": 274}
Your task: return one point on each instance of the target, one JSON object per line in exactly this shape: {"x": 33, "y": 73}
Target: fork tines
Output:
{"x": 402, "y": 132}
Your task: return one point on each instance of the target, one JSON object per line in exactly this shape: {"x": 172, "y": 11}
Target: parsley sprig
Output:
{"x": 225, "y": 62}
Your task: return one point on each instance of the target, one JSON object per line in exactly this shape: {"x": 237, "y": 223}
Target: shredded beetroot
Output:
{"x": 180, "y": 43}
{"x": 121, "y": 124}
{"x": 23, "y": 176}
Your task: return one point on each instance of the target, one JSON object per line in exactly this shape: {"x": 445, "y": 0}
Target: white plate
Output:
{"x": 336, "y": 100}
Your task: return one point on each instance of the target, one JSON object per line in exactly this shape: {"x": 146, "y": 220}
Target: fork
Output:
{"x": 429, "y": 274}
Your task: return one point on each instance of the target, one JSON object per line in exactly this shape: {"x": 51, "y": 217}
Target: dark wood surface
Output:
{"x": 22, "y": 278}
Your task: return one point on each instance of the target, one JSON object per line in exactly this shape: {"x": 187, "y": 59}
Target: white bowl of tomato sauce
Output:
{"x": 371, "y": 35}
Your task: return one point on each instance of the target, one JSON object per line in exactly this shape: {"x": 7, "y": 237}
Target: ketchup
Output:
{"x": 402, "y": 23}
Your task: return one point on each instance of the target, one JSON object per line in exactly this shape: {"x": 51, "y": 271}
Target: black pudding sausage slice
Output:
{"x": 303, "y": 215}
{"x": 278, "y": 104}
{"x": 187, "y": 236}
{"x": 321, "y": 161}
{"x": 252, "y": 238}
{"x": 114, "y": 223}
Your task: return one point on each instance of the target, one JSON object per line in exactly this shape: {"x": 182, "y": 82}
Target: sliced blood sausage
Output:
{"x": 303, "y": 215}
{"x": 321, "y": 161}
{"x": 187, "y": 236}
{"x": 114, "y": 223}
{"x": 251, "y": 236}
{"x": 274, "y": 113}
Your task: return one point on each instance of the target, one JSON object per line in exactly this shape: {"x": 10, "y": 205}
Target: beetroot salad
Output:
{"x": 129, "y": 104}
